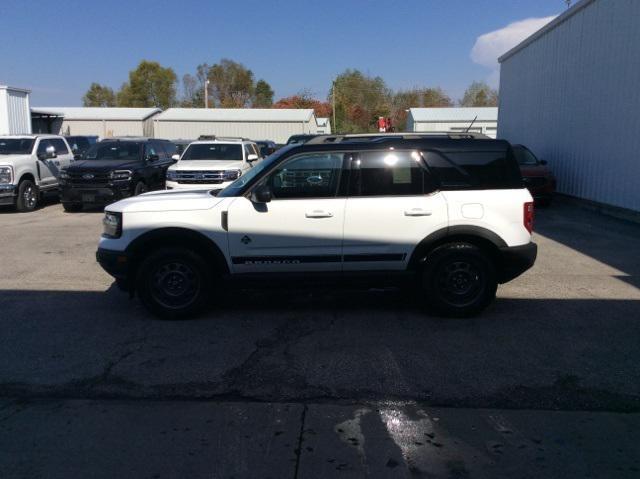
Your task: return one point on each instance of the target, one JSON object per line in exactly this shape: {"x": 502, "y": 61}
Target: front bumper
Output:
{"x": 99, "y": 195}
{"x": 174, "y": 185}
{"x": 7, "y": 194}
{"x": 116, "y": 263}
{"x": 515, "y": 260}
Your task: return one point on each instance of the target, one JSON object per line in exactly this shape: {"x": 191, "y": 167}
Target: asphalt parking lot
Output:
{"x": 563, "y": 337}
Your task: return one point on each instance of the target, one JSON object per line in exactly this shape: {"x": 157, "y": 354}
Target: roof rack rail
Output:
{"x": 222, "y": 138}
{"x": 321, "y": 139}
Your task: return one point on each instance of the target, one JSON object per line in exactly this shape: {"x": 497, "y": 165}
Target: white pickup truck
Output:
{"x": 29, "y": 167}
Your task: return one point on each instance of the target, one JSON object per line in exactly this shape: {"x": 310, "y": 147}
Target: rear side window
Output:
{"x": 389, "y": 173}
{"x": 474, "y": 169}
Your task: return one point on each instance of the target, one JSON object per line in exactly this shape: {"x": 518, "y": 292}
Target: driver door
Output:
{"x": 301, "y": 228}
{"x": 46, "y": 167}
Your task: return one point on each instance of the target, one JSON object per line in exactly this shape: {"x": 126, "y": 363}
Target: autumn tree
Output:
{"x": 416, "y": 98}
{"x": 359, "y": 100}
{"x": 231, "y": 84}
{"x": 263, "y": 97}
{"x": 99, "y": 95}
{"x": 149, "y": 85}
{"x": 303, "y": 100}
{"x": 479, "y": 94}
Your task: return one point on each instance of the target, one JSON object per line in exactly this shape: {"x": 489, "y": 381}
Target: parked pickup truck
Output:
{"x": 29, "y": 167}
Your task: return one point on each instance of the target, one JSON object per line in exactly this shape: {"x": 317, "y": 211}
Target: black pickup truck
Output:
{"x": 114, "y": 169}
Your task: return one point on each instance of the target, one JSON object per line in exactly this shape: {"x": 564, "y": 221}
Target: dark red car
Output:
{"x": 536, "y": 175}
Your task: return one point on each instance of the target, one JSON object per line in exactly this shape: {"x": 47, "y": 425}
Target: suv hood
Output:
{"x": 8, "y": 159}
{"x": 209, "y": 165}
{"x": 103, "y": 165}
{"x": 167, "y": 200}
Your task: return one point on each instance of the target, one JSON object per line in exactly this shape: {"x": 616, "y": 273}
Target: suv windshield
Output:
{"x": 114, "y": 150}
{"x": 213, "y": 151}
{"x": 16, "y": 146}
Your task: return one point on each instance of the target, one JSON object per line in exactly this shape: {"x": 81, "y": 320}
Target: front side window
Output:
{"x": 60, "y": 147}
{"x": 213, "y": 151}
{"x": 312, "y": 175}
{"x": 42, "y": 147}
{"x": 122, "y": 151}
{"x": 389, "y": 173}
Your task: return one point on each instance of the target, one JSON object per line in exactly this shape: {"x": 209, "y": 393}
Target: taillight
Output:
{"x": 527, "y": 217}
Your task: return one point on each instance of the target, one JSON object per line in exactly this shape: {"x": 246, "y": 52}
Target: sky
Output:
{"x": 57, "y": 49}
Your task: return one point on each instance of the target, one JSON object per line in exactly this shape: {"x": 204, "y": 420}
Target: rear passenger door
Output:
{"x": 392, "y": 205}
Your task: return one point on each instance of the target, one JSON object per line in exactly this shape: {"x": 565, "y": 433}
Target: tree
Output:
{"x": 263, "y": 97}
{"x": 231, "y": 84}
{"x": 149, "y": 85}
{"x": 479, "y": 94}
{"x": 305, "y": 100}
{"x": 99, "y": 95}
{"x": 193, "y": 94}
{"x": 416, "y": 98}
{"x": 359, "y": 100}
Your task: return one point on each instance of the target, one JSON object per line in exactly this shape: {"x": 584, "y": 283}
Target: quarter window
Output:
{"x": 314, "y": 175}
{"x": 389, "y": 173}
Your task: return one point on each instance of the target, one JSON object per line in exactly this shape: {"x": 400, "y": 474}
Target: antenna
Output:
{"x": 474, "y": 120}
{"x": 568, "y": 2}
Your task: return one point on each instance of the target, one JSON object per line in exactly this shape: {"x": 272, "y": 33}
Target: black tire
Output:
{"x": 140, "y": 188}
{"x": 28, "y": 196}
{"x": 174, "y": 283}
{"x": 459, "y": 280}
{"x": 72, "y": 207}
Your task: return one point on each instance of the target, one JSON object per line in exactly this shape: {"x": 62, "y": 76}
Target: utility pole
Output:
{"x": 206, "y": 93}
{"x": 333, "y": 107}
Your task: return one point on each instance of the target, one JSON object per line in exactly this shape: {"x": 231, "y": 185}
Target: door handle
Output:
{"x": 417, "y": 212}
{"x": 318, "y": 214}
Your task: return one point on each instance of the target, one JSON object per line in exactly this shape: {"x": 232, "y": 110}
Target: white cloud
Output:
{"x": 490, "y": 46}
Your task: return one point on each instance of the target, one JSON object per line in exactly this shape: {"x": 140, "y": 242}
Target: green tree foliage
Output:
{"x": 149, "y": 85}
{"x": 360, "y": 100}
{"x": 416, "y": 98}
{"x": 479, "y": 94}
{"x": 263, "y": 97}
{"x": 231, "y": 85}
{"x": 99, "y": 95}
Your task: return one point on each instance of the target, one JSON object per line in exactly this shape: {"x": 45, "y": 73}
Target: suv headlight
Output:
{"x": 172, "y": 175}
{"x": 120, "y": 175}
{"x": 112, "y": 225}
{"x": 231, "y": 175}
{"x": 6, "y": 175}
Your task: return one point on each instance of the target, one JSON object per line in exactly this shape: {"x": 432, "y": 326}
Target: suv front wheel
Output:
{"x": 173, "y": 283}
{"x": 459, "y": 280}
{"x": 28, "y": 196}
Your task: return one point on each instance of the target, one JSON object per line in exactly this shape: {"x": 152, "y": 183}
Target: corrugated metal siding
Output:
{"x": 107, "y": 128}
{"x": 278, "y": 132}
{"x": 572, "y": 96}
{"x": 15, "y": 116}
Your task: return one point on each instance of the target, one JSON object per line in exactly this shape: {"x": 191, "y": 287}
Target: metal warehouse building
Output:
{"x": 102, "y": 122}
{"x": 453, "y": 119}
{"x": 571, "y": 93}
{"x": 14, "y": 111}
{"x": 254, "y": 123}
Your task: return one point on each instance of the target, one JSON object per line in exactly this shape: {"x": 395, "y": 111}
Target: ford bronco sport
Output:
{"x": 448, "y": 214}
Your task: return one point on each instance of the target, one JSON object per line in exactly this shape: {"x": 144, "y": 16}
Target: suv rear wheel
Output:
{"x": 140, "y": 188}
{"x": 28, "y": 196}
{"x": 173, "y": 283}
{"x": 459, "y": 279}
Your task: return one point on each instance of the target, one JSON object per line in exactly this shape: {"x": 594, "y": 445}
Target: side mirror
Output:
{"x": 153, "y": 158}
{"x": 252, "y": 157}
{"x": 175, "y": 157}
{"x": 262, "y": 194}
{"x": 77, "y": 156}
{"x": 543, "y": 162}
{"x": 49, "y": 153}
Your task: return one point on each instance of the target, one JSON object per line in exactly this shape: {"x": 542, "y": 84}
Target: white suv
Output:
{"x": 212, "y": 164}
{"x": 449, "y": 215}
{"x": 29, "y": 167}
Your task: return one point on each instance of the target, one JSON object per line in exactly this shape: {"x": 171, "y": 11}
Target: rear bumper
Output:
{"x": 515, "y": 260}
